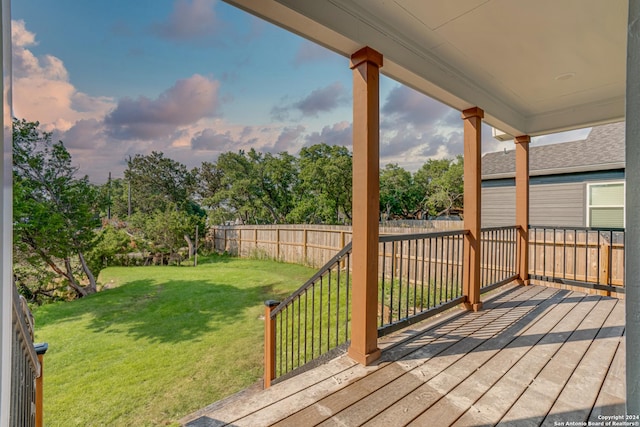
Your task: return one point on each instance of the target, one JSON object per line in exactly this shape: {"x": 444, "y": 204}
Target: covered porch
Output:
{"x": 533, "y": 356}
{"x": 525, "y": 68}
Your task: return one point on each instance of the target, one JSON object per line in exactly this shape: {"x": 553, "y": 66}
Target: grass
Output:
{"x": 163, "y": 342}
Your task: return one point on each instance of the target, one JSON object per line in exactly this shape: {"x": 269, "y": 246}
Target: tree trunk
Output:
{"x": 190, "y": 244}
{"x": 73, "y": 284}
{"x": 92, "y": 288}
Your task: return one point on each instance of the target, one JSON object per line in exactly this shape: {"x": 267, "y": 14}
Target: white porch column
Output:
{"x": 632, "y": 210}
{"x": 6, "y": 217}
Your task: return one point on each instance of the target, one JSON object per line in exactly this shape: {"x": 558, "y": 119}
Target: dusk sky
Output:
{"x": 196, "y": 78}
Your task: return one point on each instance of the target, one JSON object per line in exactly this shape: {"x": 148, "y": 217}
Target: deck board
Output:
{"x": 532, "y": 356}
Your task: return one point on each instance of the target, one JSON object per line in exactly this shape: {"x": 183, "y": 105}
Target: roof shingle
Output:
{"x": 603, "y": 149}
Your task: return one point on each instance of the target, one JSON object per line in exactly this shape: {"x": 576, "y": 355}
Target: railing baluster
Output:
{"x": 382, "y": 300}
{"x": 392, "y": 284}
{"x": 415, "y": 279}
{"x": 422, "y": 268}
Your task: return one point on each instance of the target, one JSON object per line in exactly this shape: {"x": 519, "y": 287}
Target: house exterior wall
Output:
{"x": 553, "y": 200}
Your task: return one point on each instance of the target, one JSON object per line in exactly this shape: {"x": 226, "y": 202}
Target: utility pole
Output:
{"x": 109, "y": 198}
{"x": 195, "y": 256}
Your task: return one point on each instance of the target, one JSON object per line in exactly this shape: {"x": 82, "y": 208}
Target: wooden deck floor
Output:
{"x": 533, "y": 356}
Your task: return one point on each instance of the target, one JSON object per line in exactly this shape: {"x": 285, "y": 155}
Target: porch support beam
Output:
{"x": 365, "y": 64}
{"x": 522, "y": 206}
{"x": 632, "y": 219}
{"x": 472, "y": 180}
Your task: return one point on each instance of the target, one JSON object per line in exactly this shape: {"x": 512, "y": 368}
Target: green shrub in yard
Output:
{"x": 160, "y": 343}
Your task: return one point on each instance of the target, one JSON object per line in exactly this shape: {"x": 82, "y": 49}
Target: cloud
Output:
{"x": 189, "y": 20}
{"x": 84, "y": 134}
{"x": 321, "y": 100}
{"x": 415, "y": 127}
{"x": 210, "y": 140}
{"x": 186, "y": 102}
{"x": 289, "y": 140}
{"x": 411, "y": 107}
{"x": 340, "y": 133}
{"x": 310, "y": 52}
{"x": 41, "y": 88}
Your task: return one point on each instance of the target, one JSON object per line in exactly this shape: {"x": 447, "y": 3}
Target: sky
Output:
{"x": 197, "y": 78}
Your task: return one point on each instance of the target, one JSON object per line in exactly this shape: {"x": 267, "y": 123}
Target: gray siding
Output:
{"x": 558, "y": 204}
{"x": 498, "y": 206}
{"x": 550, "y": 204}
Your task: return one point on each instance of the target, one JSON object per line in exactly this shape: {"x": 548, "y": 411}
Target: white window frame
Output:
{"x": 601, "y": 183}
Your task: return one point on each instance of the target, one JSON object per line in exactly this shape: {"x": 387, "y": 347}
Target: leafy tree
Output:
{"x": 399, "y": 197}
{"x": 238, "y": 194}
{"x": 441, "y": 186}
{"x": 158, "y": 182}
{"x": 208, "y": 182}
{"x": 55, "y": 213}
{"x": 113, "y": 241}
{"x": 165, "y": 231}
{"x": 116, "y": 193}
{"x": 324, "y": 193}
{"x": 278, "y": 179}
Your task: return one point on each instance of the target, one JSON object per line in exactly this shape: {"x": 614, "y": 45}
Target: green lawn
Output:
{"x": 165, "y": 341}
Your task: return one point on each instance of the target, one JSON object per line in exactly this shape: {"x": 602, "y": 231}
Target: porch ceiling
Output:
{"x": 535, "y": 67}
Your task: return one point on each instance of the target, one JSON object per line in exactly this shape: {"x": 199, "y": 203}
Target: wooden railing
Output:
{"x": 25, "y": 367}
{"x": 419, "y": 275}
{"x": 498, "y": 256}
{"x": 312, "y": 321}
{"x": 311, "y": 244}
{"x": 578, "y": 256}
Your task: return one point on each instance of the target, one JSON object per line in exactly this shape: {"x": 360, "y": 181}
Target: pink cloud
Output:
{"x": 41, "y": 88}
{"x": 188, "y": 101}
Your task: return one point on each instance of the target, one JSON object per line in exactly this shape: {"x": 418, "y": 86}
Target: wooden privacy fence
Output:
{"x": 584, "y": 257}
{"x": 311, "y": 245}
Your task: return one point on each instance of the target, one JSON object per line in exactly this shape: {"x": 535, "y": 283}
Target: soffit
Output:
{"x": 535, "y": 67}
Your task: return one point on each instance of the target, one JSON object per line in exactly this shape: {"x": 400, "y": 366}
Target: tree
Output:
{"x": 250, "y": 186}
{"x": 441, "y": 186}
{"x": 324, "y": 193}
{"x": 158, "y": 182}
{"x": 55, "y": 213}
{"x": 238, "y": 193}
{"x": 399, "y": 196}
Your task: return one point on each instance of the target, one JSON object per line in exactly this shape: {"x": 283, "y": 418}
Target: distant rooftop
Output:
{"x": 603, "y": 149}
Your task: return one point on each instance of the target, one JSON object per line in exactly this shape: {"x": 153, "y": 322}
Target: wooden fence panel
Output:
{"x": 311, "y": 245}
{"x": 579, "y": 255}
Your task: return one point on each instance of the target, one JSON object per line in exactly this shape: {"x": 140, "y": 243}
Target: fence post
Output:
{"x": 304, "y": 243}
{"x": 255, "y": 239}
{"x": 41, "y": 349}
{"x": 269, "y": 343}
{"x": 225, "y": 240}
{"x": 278, "y": 243}
{"x": 605, "y": 265}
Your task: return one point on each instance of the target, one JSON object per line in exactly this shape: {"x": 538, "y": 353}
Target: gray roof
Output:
{"x": 603, "y": 149}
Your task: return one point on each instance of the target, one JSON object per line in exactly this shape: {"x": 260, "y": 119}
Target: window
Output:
{"x": 605, "y": 205}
